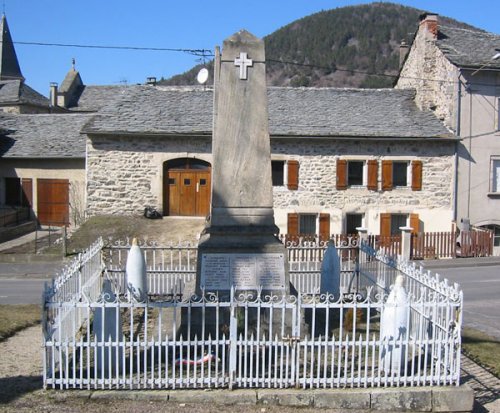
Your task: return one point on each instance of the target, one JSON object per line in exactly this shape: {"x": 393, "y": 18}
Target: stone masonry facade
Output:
{"x": 433, "y": 77}
{"x": 124, "y": 174}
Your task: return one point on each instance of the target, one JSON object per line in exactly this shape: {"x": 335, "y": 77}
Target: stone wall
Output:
{"x": 433, "y": 77}
{"x": 317, "y": 191}
{"x": 125, "y": 174}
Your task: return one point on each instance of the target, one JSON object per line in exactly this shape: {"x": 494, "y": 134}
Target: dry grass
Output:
{"x": 14, "y": 318}
{"x": 482, "y": 348}
{"x": 112, "y": 228}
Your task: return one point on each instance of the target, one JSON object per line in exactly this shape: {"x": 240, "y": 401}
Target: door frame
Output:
{"x": 182, "y": 165}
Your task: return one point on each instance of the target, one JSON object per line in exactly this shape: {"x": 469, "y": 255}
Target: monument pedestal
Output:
{"x": 243, "y": 258}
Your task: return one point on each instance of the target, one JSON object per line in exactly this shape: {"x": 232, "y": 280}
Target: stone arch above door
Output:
{"x": 186, "y": 187}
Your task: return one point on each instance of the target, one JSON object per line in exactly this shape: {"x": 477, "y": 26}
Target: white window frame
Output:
{"x": 365, "y": 173}
{"x": 494, "y": 182}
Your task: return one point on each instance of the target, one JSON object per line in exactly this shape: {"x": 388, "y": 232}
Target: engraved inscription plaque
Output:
{"x": 244, "y": 271}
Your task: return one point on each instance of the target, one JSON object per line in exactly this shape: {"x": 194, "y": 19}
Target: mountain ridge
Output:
{"x": 352, "y": 46}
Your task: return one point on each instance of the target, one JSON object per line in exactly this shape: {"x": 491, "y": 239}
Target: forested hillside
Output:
{"x": 355, "y": 46}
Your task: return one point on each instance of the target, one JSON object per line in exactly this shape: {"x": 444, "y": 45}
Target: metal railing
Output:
{"x": 14, "y": 216}
{"x": 101, "y": 340}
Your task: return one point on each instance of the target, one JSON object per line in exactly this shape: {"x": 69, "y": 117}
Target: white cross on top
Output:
{"x": 244, "y": 63}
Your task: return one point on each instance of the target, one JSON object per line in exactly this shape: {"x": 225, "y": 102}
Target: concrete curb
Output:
{"x": 414, "y": 399}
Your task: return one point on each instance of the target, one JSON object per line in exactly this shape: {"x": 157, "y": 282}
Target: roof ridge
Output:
{"x": 464, "y": 29}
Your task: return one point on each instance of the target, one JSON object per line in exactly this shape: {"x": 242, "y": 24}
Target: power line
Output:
{"x": 206, "y": 53}
{"x": 196, "y": 52}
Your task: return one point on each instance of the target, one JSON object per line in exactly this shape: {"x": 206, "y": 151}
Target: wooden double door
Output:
{"x": 188, "y": 192}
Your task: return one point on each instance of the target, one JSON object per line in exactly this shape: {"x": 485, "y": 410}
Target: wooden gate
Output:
{"x": 53, "y": 201}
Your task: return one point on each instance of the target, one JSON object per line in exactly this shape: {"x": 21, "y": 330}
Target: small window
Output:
{"x": 171, "y": 181}
{"x": 203, "y": 182}
{"x": 495, "y": 175}
{"x": 187, "y": 181}
{"x": 400, "y": 173}
{"x": 355, "y": 173}
{"x": 307, "y": 224}
{"x": 353, "y": 221}
{"x": 398, "y": 221}
{"x": 278, "y": 172}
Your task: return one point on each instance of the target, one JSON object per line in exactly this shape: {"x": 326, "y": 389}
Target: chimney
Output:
{"x": 53, "y": 94}
{"x": 403, "y": 51}
{"x": 151, "y": 81}
{"x": 429, "y": 23}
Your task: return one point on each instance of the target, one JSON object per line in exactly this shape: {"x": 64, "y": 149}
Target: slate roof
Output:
{"x": 469, "y": 47}
{"x": 17, "y": 92}
{"x": 43, "y": 136}
{"x": 94, "y": 98}
{"x": 294, "y": 112}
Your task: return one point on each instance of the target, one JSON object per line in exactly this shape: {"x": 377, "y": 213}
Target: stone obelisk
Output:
{"x": 239, "y": 247}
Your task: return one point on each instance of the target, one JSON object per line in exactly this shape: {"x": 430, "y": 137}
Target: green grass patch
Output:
{"x": 14, "y": 318}
{"x": 482, "y": 348}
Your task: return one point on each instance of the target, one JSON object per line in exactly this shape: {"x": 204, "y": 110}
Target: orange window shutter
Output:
{"x": 386, "y": 175}
{"x": 372, "y": 183}
{"x": 293, "y": 223}
{"x": 341, "y": 174}
{"x": 324, "y": 227}
{"x": 385, "y": 225}
{"x": 414, "y": 223}
{"x": 293, "y": 175}
{"x": 416, "y": 175}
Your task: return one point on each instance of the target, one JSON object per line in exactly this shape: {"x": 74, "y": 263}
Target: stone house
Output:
{"x": 341, "y": 158}
{"x": 456, "y": 75}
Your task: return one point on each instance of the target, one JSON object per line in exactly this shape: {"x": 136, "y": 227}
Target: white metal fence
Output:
{"x": 306, "y": 340}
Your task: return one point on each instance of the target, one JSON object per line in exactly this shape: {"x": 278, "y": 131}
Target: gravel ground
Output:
{"x": 21, "y": 387}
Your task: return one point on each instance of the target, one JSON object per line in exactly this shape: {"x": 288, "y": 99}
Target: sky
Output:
{"x": 174, "y": 24}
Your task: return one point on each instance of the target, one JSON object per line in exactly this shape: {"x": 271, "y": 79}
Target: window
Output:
{"x": 495, "y": 175}
{"x": 307, "y": 224}
{"x": 498, "y": 114}
{"x": 496, "y": 234}
{"x": 355, "y": 173}
{"x": 400, "y": 173}
{"x": 278, "y": 172}
{"x": 397, "y": 174}
{"x": 398, "y": 221}
{"x": 353, "y": 221}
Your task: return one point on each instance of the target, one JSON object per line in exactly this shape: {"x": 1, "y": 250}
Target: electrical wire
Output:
{"x": 196, "y": 52}
{"x": 206, "y": 53}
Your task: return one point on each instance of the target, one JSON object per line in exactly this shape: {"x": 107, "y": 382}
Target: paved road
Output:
{"x": 481, "y": 287}
{"x": 22, "y": 283}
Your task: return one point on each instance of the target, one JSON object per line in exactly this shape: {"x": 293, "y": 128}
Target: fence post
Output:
{"x": 362, "y": 233}
{"x": 233, "y": 337}
{"x": 406, "y": 242}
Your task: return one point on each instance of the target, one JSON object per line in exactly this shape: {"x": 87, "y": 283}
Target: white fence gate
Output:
{"x": 306, "y": 340}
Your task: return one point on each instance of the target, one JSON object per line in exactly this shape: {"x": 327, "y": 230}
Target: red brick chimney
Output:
{"x": 429, "y": 23}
